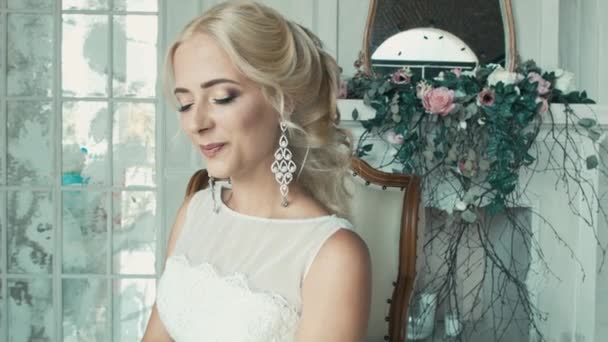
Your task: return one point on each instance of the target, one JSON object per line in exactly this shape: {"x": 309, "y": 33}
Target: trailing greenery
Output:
{"x": 470, "y": 135}
{"x": 477, "y": 125}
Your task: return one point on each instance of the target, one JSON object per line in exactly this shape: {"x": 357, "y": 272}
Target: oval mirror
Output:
{"x": 429, "y": 36}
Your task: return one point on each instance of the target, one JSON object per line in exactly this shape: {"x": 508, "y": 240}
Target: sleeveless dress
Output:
{"x": 237, "y": 278}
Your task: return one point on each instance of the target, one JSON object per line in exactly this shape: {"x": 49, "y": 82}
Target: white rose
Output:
{"x": 460, "y": 206}
{"x": 501, "y": 75}
{"x": 564, "y": 82}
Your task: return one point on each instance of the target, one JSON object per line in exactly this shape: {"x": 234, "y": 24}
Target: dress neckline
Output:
{"x": 266, "y": 219}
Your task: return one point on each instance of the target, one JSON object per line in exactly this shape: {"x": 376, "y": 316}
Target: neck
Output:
{"x": 256, "y": 193}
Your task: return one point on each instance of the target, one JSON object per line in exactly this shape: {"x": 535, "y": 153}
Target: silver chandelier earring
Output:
{"x": 216, "y": 207}
{"x": 283, "y": 166}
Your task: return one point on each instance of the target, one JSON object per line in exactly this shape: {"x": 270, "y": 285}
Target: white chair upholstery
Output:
{"x": 377, "y": 217}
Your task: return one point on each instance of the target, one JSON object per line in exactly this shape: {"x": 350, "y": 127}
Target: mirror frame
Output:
{"x": 508, "y": 23}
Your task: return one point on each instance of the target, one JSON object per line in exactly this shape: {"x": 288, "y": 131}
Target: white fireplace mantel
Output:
{"x": 568, "y": 294}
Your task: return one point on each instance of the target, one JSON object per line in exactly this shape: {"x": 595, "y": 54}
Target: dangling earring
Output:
{"x": 216, "y": 208}
{"x": 283, "y": 166}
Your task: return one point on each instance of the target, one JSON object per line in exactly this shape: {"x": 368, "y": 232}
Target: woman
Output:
{"x": 269, "y": 256}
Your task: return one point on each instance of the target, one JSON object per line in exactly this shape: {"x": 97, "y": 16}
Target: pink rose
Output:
{"x": 457, "y": 72}
{"x": 544, "y": 107}
{"x": 543, "y": 85}
{"x": 401, "y": 76}
{"x": 486, "y": 97}
{"x": 461, "y": 166}
{"x": 439, "y": 101}
{"x": 343, "y": 89}
{"x": 394, "y": 138}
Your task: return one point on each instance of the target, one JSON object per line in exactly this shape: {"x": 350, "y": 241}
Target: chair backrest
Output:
{"x": 385, "y": 210}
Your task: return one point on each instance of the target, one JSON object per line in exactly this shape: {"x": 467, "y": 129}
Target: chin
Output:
{"x": 218, "y": 171}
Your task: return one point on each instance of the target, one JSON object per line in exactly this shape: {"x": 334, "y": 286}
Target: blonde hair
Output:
{"x": 297, "y": 77}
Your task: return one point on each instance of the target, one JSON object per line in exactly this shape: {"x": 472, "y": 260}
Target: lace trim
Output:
{"x": 236, "y": 279}
{"x": 225, "y": 301}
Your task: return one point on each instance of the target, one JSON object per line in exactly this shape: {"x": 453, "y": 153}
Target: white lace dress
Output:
{"x": 237, "y": 278}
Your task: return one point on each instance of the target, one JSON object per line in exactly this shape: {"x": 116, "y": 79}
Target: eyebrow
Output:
{"x": 207, "y": 84}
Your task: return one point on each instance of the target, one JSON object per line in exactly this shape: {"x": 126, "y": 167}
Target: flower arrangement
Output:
{"x": 475, "y": 126}
{"x": 469, "y": 134}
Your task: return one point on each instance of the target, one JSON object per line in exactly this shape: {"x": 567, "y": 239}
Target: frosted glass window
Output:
{"x": 84, "y": 4}
{"x": 30, "y": 310}
{"x": 84, "y": 55}
{"x": 30, "y": 232}
{"x": 78, "y": 173}
{"x": 30, "y": 143}
{"x": 136, "y": 5}
{"x": 134, "y": 55}
{"x": 84, "y": 232}
{"x": 134, "y": 232}
{"x": 85, "y": 310}
{"x": 134, "y": 145}
{"x": 31, "y": 4}
{"x": 85, "y": 143}
{"x": 29, "y": 55}
{"x": 132, "y": 307}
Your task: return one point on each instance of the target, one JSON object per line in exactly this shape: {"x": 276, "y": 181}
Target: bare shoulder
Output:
{"x": 344, "y": 249}
{"x": 336, "y": 293}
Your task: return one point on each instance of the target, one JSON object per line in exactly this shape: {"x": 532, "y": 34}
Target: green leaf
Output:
{"x": 355, "y": 114}
{"x": 587, "y": 122}
{"x": 594, "y": 134}
{"x": 367, "y": 99}
{"x": 367, "y": 147}
{"x": 592, "y": 162}
{"x": 469, "y": 216}
{"x": 367, "y": 125}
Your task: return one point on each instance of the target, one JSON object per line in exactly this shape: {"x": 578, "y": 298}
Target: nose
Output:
{"x": 199, "y": 120}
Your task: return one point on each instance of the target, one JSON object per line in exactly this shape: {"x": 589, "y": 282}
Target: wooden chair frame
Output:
{"x": 404, "y": 285}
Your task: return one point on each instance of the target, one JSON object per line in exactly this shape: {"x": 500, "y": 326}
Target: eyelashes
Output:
{"x": 224, "y": 100}
{"x": 184, "y": 108}
{"x": 221, "y": 101}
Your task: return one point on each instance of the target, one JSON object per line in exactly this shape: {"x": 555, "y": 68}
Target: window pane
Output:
{"x": 134, "y": 234}
{"x": 133, "y": 138}
{"x": 85, "y": 4}
{"x": 85, "y": 310}
{"x": 30, "y": 310}
{"x": 2, "y": 141}
{"x": 2, "y": 228}
{"x": 30, "y": 232}
{"x": 132, "y": 305}
{"x": 135, "y": 55}
{"x": 30, "y": 55}
{"x": 2, "y": 308}
{"x": 31, "y": 4}
{"x": 2, "y": 44}
{"x": 30, "y": 143}
{"x": 84, "y": 55}
{"x": 85, "y": 143}
{"x": 84, "y": 232}
{"x": 136, "y": 5}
